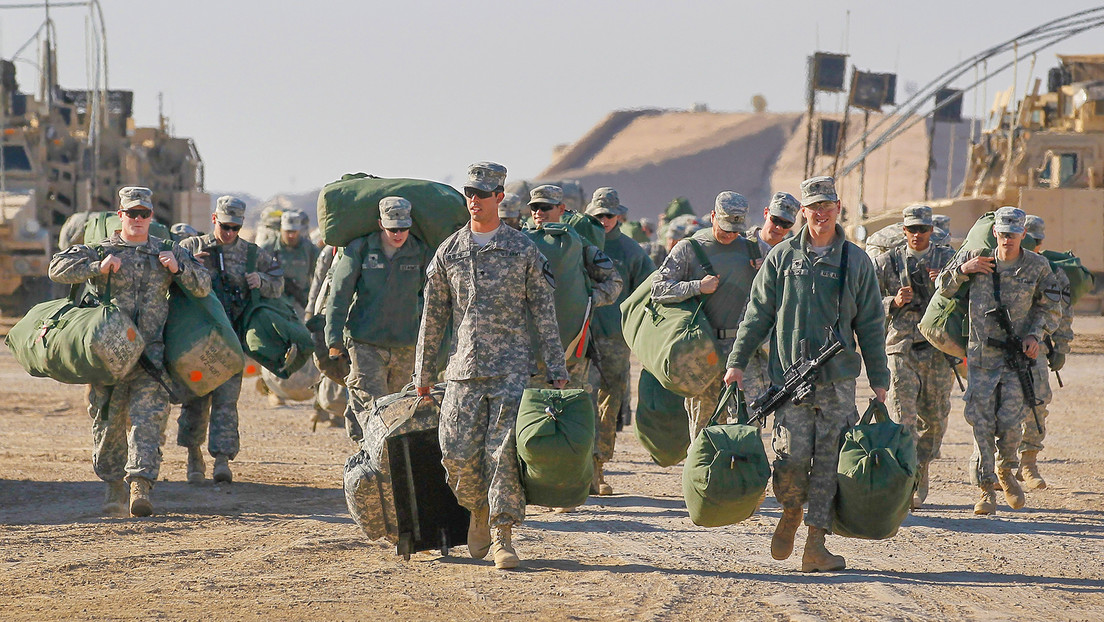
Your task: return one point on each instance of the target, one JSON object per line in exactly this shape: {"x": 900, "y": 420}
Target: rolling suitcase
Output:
{"x": 395, "y": 486}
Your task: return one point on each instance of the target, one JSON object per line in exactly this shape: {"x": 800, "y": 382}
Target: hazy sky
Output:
{"x": 287, "y": 96}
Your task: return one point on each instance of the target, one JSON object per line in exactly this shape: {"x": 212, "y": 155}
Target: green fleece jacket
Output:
{"x": 795, "y": 296}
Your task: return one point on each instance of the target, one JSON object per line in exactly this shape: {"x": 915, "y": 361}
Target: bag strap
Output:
{"x": 754, "y": 252}
{"x": 997, "y": 288}
{"x": 728, "y": 393}
{"x": 105, "y": 295}
{"x": 876, "y": 412}
{"x": 843, "y": 282}
{"x": 703, "y": 259}
{"x": 251, "y": 253}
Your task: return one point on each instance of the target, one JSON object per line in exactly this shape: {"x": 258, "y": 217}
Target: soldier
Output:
{"x": 677, "y": 229}
{"x": 1021, "y": 283}
{"x": 128, "y": 419}
{"x": 1055, "y": 346}
{"x": 612, "y": 359}
{"x": 296, "y": 255}
{"x": 225, "y": 256}
{"x": 724, "y": 288}
{"x": 809, "y": 284}
{"x": 509, "y": 211}
{"x": 374, "y": 309}
{"x": 330, "y": 397}
{"x": 482, "y": 278}
{"x": 921, "y": 376}
{"x": 182, "y": 231}
{"x": 779, "y": 217}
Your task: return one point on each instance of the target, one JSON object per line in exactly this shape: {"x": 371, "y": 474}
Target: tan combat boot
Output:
{"x": 599, "y": 484}
{"x": 140, "y": 504}
{"x": 921, "y": 493}
{"x": 502, "y": 548}
{"x": 1013, "y": 494}
{"x": 479, "y": 533}
{"x": 221, "y": 472}
{"x": 817, "y": 558}
{"x": 117, "y": 498}
{"x": 783, "y": 540}
{"x": 197, "y": 469}
{"x": 1029, "y": 471}
{"x": 988, "y": 502}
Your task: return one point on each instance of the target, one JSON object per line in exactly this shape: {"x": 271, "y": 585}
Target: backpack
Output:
{"x": 555, "y": 446}
{"x": 1081, "y": 280}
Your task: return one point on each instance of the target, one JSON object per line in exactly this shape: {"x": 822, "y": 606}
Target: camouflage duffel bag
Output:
{"x": 555, "y": 446}
{"x": 85, "y": 342}
{"x": 202, "y": 350}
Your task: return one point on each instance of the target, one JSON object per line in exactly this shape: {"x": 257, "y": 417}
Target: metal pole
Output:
{"x": 950, "y": 158}
{"x": 810, "y": 98}
{"x": 862, "y": 168}
{"x": 931, "y": 159}
{"x": 843, "y": 125}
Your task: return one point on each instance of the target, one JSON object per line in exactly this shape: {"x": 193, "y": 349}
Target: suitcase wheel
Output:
{"x": 404, "y": 547}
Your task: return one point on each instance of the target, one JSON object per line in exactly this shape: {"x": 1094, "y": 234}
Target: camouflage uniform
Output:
{"x": 219, "y": 409}
{"x": 995, "y": 405}
{"x": 127, "y": 430}
{"x": 483, "y": 290}
{"x": 921, "y": 377}
{"x": 1059, "y": 344}
{"x": 297, "y": 263}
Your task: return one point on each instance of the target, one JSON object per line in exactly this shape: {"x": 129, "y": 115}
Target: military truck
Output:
{"x": 1045, "y": 156}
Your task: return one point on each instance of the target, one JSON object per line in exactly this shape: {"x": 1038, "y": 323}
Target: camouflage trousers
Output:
{"x": 612, "y": 384}
{"x": 920, "y": 397}
{"x": 373, "y": 373}
{"x": 128, "y": 427}
{"x": 478, "y": 447}
{"x": 995, "y": 408}
{"x": 1032, "y": 435}
{"x": 806, "y": 446}
{"x": 218, "y": 410}
{"x": 699, "y": 409}
{"x": 757, "y": 375}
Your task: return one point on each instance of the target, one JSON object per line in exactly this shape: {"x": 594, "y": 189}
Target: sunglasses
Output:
{"x": 781, "y": 224}
{"x": 397, "y": 229}
{"x": 227, "y": 227}
{"x": 475, "y": 192}
{"x": 822, "y": 206}
{"x": 918, "y": 229}
{"x": 607, "y": 216}
{"x": 138, "y": 214}
{"x": 542, "y": 207}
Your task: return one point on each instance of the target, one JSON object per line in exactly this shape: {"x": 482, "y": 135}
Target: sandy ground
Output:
{"x": 279, "y": 544}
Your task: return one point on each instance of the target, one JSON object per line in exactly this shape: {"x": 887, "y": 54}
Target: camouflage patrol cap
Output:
{"x": 135, "y": 196}
{"x": 486, "y": 176}
{"x": 547, "y": 194}
{"x": 940, "y": 236}
{"x": 395, "y": 213}
{"x": 230, "y": 209}
{"x": 510, "y": 207}
{"x": 785, "y": 206}
{"x": 182, "y": 230}
{"x": 918, "y": 215}
{"x": 682, "y": 226}
{"x": 606, "y": 201}
{"x": 817, "y": 189}
{"x": 1035, "y": 227}
{"x": 941, "y": 221}
{"x": 1009, "y": 219}
{"x": 730, "y": 211}
{"x": 294, "y": 220}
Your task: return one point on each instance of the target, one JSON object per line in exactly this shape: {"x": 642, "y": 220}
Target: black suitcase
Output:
{"x": 395, "y": 486}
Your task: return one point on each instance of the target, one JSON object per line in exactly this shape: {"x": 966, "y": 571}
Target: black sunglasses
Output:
{"x": 138, "y": 213}
{"x": 475, "y": 192}
{"x": 607, "y": 216}
{"x": 542, "y": 207}
{"x": 397, "y": 229}
{"x": 781, "y": 224}
{"x": 918, "y": 229}
{"x": 227, "y": 227}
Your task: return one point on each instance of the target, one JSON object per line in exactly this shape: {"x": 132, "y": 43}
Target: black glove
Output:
{"x": 1057, "y": 360}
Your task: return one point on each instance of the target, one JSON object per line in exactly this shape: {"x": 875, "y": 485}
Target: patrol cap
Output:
{"x": 182, "y": 230}
{"x": 918, "y": 215}
{"x": 730, "y": 211}
{"x": 1035, "y": 227}
{"x": 1009, "y": 219}
{"x": 547, "y": 194}
{"x": 785, "y": 206}
{"x": 940, "y": 237}
{"x": 294, "y": 220}
{"x": 230, "y": 209}
{"x": 395, "y": 213}
{"x": 510, "y": 207}
{"x": 941, "y": 221}
{"x": 817, "y": 189}
{"x": 135, "y": 196}
{"x": 486, "y": 176}
{"x": 682, "y": 226}
{"x": 606, "y": 201}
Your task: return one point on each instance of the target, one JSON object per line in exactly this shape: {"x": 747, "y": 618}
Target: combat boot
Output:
{"x": 117, "y": 498}
{"x": 140, "y": 504}
{"x": 817, "y": 558}
{"x": 1029, "y": 471}
{"x": 988, "y": 502}
{"x": 221, "y": 472}
{"x": 599, "y": 485}
{"x": 274, "y": 401}
{"x": 479, "y": 533}
{"x": 502, "y": 548}
{"x": 921, "y": 493}
{"x": 1013, "y": 494}
{"x": 197, "y": 469}
{"x": 784, "y": 532}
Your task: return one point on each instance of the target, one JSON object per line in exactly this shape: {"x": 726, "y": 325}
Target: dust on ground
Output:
{"x": 278, "y": 543}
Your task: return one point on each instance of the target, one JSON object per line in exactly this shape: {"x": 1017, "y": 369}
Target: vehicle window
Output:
{"x": 15, "y": 158}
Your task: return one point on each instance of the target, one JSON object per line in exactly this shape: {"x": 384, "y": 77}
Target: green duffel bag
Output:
{"x": 672, "y": 341}
{"x": 661, "y": 423}
{"x": 100, "y": 225}
{"x": 1081, "y": 280}
{"x": 726, "y": 468}
{"x": 202, "y": 350}
{"x": 877, "y": 476}
{"x": 270, "y": 330}
{"x": 77, "y": 342}
{"x": 634, "y": 230}
{"x": 555, "y": 446}
{"x": 349, "y": 208}
{"x": 587, "y": 226}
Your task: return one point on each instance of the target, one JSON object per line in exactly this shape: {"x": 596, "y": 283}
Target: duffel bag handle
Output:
{"x": 728, "y": 393}
{"x": 876, "y": 412}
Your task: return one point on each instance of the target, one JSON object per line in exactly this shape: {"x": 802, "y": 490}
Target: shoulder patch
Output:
{"x": 602, "y": 260}
{"x": 548, "y": 276}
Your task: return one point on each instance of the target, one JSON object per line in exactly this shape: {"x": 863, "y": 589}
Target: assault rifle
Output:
{"x": 918, "y": 280}
{"x": 798, "y": 381}
{"x": 1015, "y": 358}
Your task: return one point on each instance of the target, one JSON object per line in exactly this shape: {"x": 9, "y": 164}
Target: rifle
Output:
{"x": 921, "y": 294}
{"x": 798, "y": 381}
{"x": 1049, "y": 342}
{"x": 1014, "y": 356}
